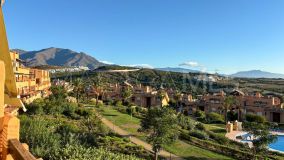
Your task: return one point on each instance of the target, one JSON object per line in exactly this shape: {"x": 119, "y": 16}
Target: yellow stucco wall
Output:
{"x": 6, "y": 58}
{"x": 2, "y": 80}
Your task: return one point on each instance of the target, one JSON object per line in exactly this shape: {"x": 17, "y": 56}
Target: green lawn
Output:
{"x": 124, "y": 121}
{"x": 191, "y": 152}
{"x": 180, "y": 148}
{"x": 216, "y": 128}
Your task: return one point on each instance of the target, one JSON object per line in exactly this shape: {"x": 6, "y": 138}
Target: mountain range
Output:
{"x": 66, "y": 57}
{"x": 257, "y": 74}
{"x": 177, "y": 69}
{"x": 58, "y": 57}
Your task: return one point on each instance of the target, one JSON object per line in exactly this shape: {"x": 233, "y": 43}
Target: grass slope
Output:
{"x": 180, "y": 148}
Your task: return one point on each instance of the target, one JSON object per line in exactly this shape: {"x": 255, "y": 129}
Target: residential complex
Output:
{"x": 143, "y": 96}
{"x": 31, "y": 83}
{"x": 268, "y": 106}
{"x": 61, "y": 69}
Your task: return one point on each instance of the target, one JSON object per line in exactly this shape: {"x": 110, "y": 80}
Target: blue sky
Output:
{"x": 224, "y": 35}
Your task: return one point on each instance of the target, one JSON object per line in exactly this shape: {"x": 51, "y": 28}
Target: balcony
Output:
{"x": 18, "y": 151}
{"x": 22, "y": 70}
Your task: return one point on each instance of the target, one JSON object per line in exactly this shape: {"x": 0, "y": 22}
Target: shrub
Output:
{"x": 218, "y": 138}
{"x": 77, "y": 152}
{"x": 255, "y": 118}
{"x": 65, "y": 128}
{"x": 53, "y": 107}
{"x": 121, "y": 145}
{"x": 200, "y": 127}
{"x": 122, "y": 109}
{"x": 214, "y": 118}
{"x": 117, "y": 103}
{"x": 83, "y": 112}
{"x": 69, "y": 109}
{"x": 40, "y": 136}
{"x": 141, "y": 110}
{"x": 109, "y": 102}
{"x": 219, "y": 130}
{"x": 200, "y": 116}
{"x": 185, "y": 122}
{"x": 138, "y": 109}
{"x": 36, "y": 107}
{"x": 199, "y": 134}
{"x": 126, "y": 103}
{"x": 130, "y": 110}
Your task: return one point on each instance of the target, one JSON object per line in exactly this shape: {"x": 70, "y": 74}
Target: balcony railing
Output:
{"x": 18, "y": 151}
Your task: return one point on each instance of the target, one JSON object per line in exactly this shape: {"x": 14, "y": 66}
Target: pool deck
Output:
{"x": 278, "y": 133}
{"x": 233, "y": 136}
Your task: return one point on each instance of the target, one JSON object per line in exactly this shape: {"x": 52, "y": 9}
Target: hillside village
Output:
{"x": 57, "y": 104}
{"x": 33, "y": 84}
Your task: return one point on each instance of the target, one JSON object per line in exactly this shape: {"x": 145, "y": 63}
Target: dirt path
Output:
{"x": 137, "y": 141}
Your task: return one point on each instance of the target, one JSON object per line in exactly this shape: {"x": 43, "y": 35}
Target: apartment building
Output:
{"x": 254, "y": 103}
{"x": 31, "y": 83}
{"x": 144, "y": 96}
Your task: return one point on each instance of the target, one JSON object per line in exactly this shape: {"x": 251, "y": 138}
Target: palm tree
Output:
{"x": 237, "y": 103}
{"x": 126, "y": 93}
{"x": 228, "y": 103}
{"x": 178, "y": 97}
{"x": 98, "y": 87}
{"x": 78, "y": 87}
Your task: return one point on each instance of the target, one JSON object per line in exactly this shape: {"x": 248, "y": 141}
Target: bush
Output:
{"x": 214, "y": 118}
{"x": 130, "y": 110}
{"x": 200, "y": 116}
{"x": 53, "y": 107}
{"x": 185, "y": 122}
{"x": 126, "y": 103}
{"x": 77, "y": 152}
{"x": 36, "y": 107}
{"x": 122, "y": 109}
{"x": 69, "y": 109}
{"x": 141, "y": 110}
{"x": 200, "y": 127}
{"x": 83, "y": 112}
{"x": 255, "y": 118}
{"x": 39, "y": 134}
{"x": 218, "y": 138}
{"x": 121, "y": 145}
{"x": 199, "y": 134}
{"x": 117, "y": 103}
{"x": 109, "y": 102}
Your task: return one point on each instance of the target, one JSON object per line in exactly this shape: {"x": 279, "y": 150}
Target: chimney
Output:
{"x": 147, "y": 89}
{"x": 222, "y": 93}
{"x": 258, "y": 95}
{"x": 190, "y": 98}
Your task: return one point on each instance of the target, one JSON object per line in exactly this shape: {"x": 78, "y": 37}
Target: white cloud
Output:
{"x": 107, "y": 62}
{"x": 194, "y": 64}
{"x": 190, "y": 64}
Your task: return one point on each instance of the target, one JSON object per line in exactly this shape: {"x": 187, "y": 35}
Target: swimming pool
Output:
{"x": 279, "y": 145}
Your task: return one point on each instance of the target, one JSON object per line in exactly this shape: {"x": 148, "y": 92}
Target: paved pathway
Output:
{"x": 137, "y": 141}
{"x": 233, "y": 136}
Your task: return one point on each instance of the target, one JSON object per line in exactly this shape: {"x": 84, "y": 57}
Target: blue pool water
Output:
{"x": 279, "y": 145}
